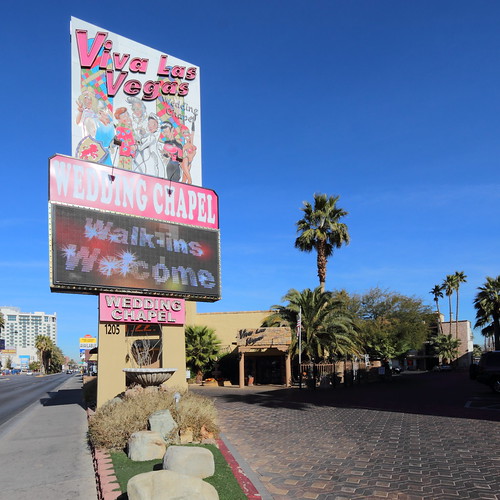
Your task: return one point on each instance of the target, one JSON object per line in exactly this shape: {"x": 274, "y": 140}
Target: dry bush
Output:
{"x": 113, "y": 423}
{"x": 195, "y": 412}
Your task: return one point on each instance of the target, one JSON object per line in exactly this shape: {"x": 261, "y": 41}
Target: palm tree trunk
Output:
{"x": 321, "y": 263}
{"x": 496, "y": 331}
{"x": 456, "y": 319}
{"x": 42, "y": 363}
{"x": 451, "y": 312}
{"x": 440, "y": 326}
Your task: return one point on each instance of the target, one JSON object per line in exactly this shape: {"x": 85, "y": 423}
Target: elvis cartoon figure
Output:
{"x": 147, "y": 158}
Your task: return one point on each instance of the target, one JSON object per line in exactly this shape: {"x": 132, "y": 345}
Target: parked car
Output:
{"x": 441, "y": 368}
{"x": 29, "y": 372}
{"x": 487, "y": 371}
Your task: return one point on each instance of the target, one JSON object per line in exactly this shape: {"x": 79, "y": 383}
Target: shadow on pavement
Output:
{"x": 425, "y": 393}
{"x": 64, "y": 397}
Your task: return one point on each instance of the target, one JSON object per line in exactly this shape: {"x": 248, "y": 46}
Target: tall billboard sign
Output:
{"x": 134, "y": 107}
{"x": 127, "y": 212}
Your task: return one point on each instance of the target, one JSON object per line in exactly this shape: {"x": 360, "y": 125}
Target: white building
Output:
{"x": 20, "y": 332}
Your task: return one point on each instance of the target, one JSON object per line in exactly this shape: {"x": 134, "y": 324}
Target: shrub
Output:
{"x": 195, "y": 412}
{"x": 90, "y": 392}
{"x": 113, "y": 423}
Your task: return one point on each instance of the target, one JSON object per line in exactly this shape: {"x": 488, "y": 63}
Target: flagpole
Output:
{"x": 299, "y": 335}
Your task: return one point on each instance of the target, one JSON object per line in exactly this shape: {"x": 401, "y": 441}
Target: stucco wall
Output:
{"x": 228, "y": 324}
{"x": 466, "y": 341}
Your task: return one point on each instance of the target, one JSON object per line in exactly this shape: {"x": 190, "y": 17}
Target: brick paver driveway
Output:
{"x": 426, "y": 435}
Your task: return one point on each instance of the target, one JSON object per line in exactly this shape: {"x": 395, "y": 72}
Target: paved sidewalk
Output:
{"x": 44, "y": 454}
{"x": 410, "y": 439}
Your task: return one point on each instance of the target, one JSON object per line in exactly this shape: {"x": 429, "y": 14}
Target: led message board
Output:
{"x": 94, "y": 251}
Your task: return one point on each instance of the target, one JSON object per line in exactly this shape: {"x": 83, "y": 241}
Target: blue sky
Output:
{"x": 393, "y": 105}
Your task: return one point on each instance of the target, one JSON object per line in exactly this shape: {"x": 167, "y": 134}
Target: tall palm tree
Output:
{"x": 437, "y": 291}
{"x": 449, "y": 288}
{"x": 326, "y": 327}
{"x": 202, "y": 349}
{"x": 487, "y": 305}
{"x": 460, "y": 277}
{"x": 320, "y": 229}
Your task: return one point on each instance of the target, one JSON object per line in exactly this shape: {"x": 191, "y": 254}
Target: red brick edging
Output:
{"x": 246, "y": 485}
{"x": 105, "y": 478}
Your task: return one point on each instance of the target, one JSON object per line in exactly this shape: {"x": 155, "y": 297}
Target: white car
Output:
{"x": 29, "y": 372}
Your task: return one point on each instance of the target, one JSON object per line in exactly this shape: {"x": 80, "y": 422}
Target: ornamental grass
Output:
{"x": 114, "y": 422}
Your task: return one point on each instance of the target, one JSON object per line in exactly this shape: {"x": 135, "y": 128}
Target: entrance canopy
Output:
{"x": 257, "y": 345}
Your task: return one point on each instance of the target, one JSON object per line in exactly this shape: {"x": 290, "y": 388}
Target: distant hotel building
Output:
{"x": 20, "y": 332}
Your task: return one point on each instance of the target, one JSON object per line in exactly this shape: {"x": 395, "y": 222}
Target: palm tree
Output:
{"x": 437, "y": 291}
{"x": 202, "y": 348}
{"x": 449, "y": 288}
{"x": 446, "y": 347}
{"x": 327, "y": 327}
{"x": 460, "y": 277}
{"x": 320, "y": 229}
{"x": 44, "y": 346}
{"x": 487, "y": 305}
{"x": 2, "y": 323}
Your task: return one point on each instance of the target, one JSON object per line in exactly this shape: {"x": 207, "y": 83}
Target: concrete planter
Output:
{"x": 149, "y": 376}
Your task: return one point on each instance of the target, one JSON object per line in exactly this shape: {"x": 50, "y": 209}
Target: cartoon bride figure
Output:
{"x": 87, "y": 111}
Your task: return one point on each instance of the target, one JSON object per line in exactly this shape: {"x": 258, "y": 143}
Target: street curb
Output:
{"x": 244, "y": 481}
{"x": 105, "y": 478}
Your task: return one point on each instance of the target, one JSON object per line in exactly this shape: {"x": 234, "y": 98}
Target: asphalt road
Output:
{"x": 17, "y": 392}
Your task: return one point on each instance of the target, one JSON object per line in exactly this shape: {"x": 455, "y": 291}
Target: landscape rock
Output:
{"x": 162, "y": 422}
{"x": 206, "y": 434}
{"x": 146, "y": 445}
{"x": 191, "y": 460}
{"x": 186, "y": 436}
{"x": 169, "y": 485}
{"x": 134, "y": 391}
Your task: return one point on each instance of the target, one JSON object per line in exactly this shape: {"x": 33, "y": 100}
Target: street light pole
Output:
{"x": 299, "y": 335}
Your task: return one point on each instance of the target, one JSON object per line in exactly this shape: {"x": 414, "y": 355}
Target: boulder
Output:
{"x": 191, "y": 460}
{"x": 206, "y": 434}
{"x": 162, "y": 422}
{"x": 146, "y": 445}
{"x": 186, "y": 436}
{"x": 151, "y": 389}
{"x": 169, "y": 485}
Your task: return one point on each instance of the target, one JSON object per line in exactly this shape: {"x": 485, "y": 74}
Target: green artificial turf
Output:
{"x": 223, "y": 480}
